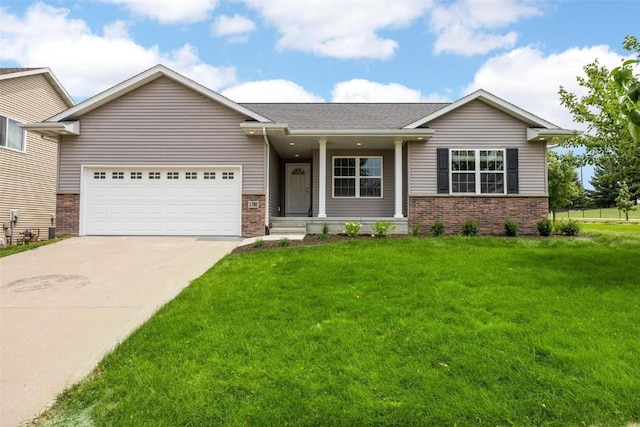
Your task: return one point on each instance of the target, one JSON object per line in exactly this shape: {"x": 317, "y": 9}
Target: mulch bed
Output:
{"x": 310, "y": 240}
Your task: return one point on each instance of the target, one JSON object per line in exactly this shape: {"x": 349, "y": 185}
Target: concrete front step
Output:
{"x": 288, "y": 230}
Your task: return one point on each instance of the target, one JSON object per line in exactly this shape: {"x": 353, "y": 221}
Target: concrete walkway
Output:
{"x": 64, "y": 306}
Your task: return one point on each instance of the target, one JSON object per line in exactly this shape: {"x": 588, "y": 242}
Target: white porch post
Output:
{"x": 322, "y": 178}
{"x": 398, "y": 188}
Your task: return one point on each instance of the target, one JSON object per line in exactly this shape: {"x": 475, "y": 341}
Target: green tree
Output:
{"x": 563, "y": 180}
{"x": 604, "y": 187}
{"x": 628, "y": 88}
{"x": 623, "y": 201}
{"x": 608, "y": 140}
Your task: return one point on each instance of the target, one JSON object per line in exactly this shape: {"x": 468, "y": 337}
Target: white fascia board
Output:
{"x": 400, "y": 133}
{"x": 490, "y": 99}
{"x": 51, "y": 78}
{"x": 540, "y": 134}
{"x": 255, "y": 128}
{"x": 53, "y": 128}
{"x": 144, "y": 78}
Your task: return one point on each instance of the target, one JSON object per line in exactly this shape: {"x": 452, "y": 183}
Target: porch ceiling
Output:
{"x": 300, "y": 143}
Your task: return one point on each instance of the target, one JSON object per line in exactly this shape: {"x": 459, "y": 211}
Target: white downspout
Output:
{"x": 267, "y": 177}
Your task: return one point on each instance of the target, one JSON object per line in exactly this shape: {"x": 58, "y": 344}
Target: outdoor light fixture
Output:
{"x": 358, "y": 144}
{"x": 292, "y": 144}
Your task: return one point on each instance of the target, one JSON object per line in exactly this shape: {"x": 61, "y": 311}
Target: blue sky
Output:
{"x": 325, "y": 50}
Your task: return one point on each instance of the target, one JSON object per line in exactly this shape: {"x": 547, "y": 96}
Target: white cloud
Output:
{"x": 236, "y": 25}
{"x": 87, "y": 63}
{"x": 464, "y": 27}
{"x": 531, "y": 80}
{"x": 360, "y": 90}
{"x": 270, "y": 91}
{"x": 169, "y": 11}
{"x": 339, "y": 29}
{"x": 116, "y": 30}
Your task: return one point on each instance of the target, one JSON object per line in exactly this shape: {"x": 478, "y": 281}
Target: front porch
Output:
{"x": 314, "y": 225}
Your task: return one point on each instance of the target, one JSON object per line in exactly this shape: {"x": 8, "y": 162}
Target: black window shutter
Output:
{"x": 443, "y": 170}
{"x": 512, "y": 171}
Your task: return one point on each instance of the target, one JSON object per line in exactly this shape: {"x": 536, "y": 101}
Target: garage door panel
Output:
{"x": 150, "y": 201}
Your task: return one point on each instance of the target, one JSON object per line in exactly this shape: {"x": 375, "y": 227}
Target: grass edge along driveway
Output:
{"x": 448, "y": 331}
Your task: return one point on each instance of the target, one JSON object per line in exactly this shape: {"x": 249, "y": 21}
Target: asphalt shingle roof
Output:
{"x": 338, "y": 116}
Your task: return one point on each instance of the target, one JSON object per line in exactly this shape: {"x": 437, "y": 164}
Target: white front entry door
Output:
{"x": 298, "y": 180}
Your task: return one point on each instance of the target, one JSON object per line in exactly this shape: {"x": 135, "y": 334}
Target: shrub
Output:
{"x": 325, "y": 232}
{"x": 352, "y": 229}
{"x": 437, "y": 229}
{"x": 570, "y": 227}
{"x": 469, "y": 228}
{"x": 284, "y": 241}
{"x": 258, "y": 243}
{"x": 415, "y": 231}
{"x": 511, "y": 228}
{"x": 545, "y": 227}
{"x": 382, "y": 228}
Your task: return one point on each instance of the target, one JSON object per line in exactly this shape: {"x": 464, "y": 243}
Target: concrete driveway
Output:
{"x": 63, "y": 306}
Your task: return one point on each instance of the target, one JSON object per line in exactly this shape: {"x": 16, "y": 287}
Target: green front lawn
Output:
{"x": 424, "y": 332}
{"x": 618, "y": 228}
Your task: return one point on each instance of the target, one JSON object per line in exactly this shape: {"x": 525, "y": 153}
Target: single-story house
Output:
{"x": 160, "y": 154}
{"x": 28, "y": 161}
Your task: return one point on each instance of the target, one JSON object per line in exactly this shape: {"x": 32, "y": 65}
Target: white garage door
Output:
{"x": 167, "y": 201}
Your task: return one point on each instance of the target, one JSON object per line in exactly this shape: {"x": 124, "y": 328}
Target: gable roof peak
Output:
{"x": 14, "y": 73}
{"x": 143, "y": 78}
{"x": 492, "y": 100}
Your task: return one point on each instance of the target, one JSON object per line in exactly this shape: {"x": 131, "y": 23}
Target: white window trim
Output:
{"x": 477, "y": 171}
{"x": 357, "y": 177}
{"x": 24, "y": 135}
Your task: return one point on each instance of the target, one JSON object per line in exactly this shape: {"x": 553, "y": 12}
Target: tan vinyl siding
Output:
{"x": 28, "y": 180}
{"x": 477, "y": 125}
{"x": 274, "y": 183}
{"x": 162, "y": 123}
{"x": 363, "y": 206}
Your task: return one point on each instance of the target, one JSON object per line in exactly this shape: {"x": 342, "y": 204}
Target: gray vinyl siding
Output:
{"x": 360, "y": 207}
{"x": 28, "y": 180}
{"x": 275, "y": 185}
{"x": 162, "y": 123}
{"x": 475, "y": 126}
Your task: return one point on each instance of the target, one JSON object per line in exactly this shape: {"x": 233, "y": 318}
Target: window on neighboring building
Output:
{"x": 11, "y": 135}
{"x": 357, "y": 177}
{"x": 478, "y": 171}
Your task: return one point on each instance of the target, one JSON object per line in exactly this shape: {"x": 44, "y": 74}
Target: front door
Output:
{"x": 298, "y": 189}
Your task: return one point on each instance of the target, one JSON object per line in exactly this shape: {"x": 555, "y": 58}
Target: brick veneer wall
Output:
{"x": 489, "y": 212}
{"x": 67, "y": 214}
{"x": 253, "y": 219}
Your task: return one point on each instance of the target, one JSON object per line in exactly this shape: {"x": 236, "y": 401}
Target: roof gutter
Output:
{"x": 53, "y": 129}
{"x": 391, "y": 133}
{"x": 541, "y": 134}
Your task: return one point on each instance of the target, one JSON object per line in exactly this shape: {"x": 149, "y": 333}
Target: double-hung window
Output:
{"x": 11, "y": 135}
{"x": 478, "y": 171}
{"x": 357, "y": 177}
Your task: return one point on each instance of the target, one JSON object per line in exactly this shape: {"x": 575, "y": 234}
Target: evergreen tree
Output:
{"x": 604, "y": 185}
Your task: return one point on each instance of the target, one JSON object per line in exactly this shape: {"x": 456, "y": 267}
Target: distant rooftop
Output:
{"x": 16, "y": 70}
